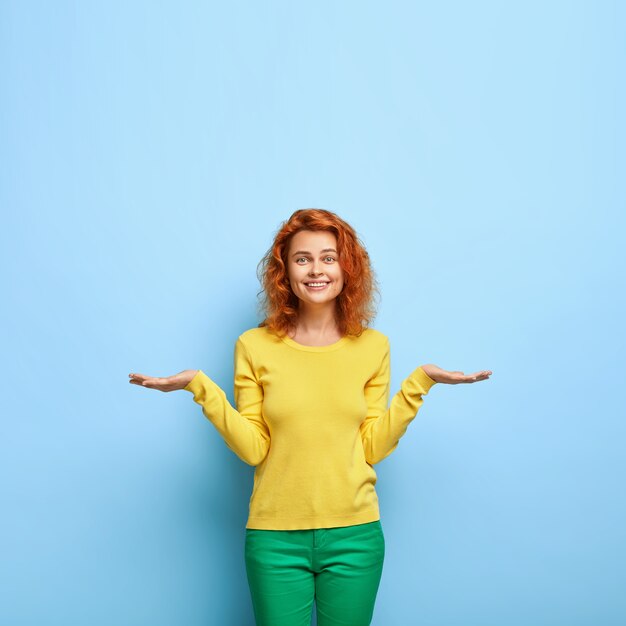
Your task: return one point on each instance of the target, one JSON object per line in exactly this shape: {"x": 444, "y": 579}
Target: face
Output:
{"x": 313, "y": 258}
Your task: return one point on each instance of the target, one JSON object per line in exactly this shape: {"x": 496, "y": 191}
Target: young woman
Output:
{"x": 313, "y": 416}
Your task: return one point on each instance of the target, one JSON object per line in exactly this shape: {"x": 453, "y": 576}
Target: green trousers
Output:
{"x": 339, "y": 567}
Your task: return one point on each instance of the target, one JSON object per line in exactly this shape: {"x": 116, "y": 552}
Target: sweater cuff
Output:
{"x": 424, "y": 379}
{"x": 195, "y": 384}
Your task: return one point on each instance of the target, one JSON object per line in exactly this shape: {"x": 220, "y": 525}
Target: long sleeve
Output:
{"x": 244, "y": 430}
{"x": 385, "y": 424}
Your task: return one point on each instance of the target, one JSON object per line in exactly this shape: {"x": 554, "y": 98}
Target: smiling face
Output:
{"x": 313, "y": 258}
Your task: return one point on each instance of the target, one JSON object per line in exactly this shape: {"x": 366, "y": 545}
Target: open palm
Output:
{"x": 454, "y": 378}
{"x": 168, "y": 383}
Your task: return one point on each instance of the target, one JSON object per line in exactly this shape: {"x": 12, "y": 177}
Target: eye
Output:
{"x": 305, "y": 258}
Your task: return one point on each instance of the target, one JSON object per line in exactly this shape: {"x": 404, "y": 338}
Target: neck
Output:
{"x": 316, "y": 319}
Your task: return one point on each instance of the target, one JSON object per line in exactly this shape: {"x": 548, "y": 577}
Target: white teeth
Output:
{"x": 315, "y": 284}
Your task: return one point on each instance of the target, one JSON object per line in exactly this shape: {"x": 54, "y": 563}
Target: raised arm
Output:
{"x": 244, "y": 430}
{"x": 386, "y": 423}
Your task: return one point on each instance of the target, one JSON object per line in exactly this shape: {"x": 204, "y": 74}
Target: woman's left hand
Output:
{"x": 456, "y": 377}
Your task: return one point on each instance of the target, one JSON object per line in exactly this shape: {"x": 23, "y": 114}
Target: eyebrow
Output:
{"x": 307, "y": 252}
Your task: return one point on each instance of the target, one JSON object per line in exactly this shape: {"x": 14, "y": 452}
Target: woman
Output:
{"x": 313, "y": 416}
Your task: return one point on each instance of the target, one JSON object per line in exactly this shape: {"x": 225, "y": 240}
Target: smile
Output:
{"x": 316, "y": 286}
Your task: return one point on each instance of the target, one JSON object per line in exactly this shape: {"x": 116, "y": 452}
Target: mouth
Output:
{"x": 318, "y": 285}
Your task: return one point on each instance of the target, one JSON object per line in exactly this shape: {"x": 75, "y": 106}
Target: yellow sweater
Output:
{"x": 313, "y": 420}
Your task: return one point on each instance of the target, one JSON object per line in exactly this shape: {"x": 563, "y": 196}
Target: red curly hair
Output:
{"x": 355, "y": 307}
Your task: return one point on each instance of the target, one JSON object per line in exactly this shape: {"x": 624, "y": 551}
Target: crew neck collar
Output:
{"x": 329, "y": 348}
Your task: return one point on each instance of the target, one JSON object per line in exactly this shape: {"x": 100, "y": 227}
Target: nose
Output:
{"x": 313, "y": 271}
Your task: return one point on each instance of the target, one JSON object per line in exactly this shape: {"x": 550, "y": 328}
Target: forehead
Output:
{"x": 313, "y": 240}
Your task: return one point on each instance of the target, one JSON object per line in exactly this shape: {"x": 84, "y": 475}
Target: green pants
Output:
{"x": 339, "y": 567}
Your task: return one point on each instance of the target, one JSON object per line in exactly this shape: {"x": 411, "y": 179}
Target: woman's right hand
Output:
{"x": 170, "y": 383}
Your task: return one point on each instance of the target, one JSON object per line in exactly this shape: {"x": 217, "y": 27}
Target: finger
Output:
{"x": 140, "y": 379}
{"x": 144, "y": 381}
{"x": 479, "y": 376}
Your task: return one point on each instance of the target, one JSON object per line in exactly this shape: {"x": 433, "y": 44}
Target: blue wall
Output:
{"x": 149, "y": 151}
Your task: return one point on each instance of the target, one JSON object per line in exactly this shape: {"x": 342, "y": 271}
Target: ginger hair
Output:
{"x": 355, "y": 306}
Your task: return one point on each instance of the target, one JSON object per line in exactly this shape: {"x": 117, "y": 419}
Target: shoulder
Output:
{"x": 248, "y": 334}
{"x": 375, "y": 338}
{"x": 375, "y": 334}
{"x": 256, "y": 337}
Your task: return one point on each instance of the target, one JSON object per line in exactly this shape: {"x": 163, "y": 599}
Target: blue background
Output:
{"x": 149, "y": 153}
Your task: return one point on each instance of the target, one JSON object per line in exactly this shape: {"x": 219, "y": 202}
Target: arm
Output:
{"x": 245, "y": 431}
{"x": 385, "y": 424}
